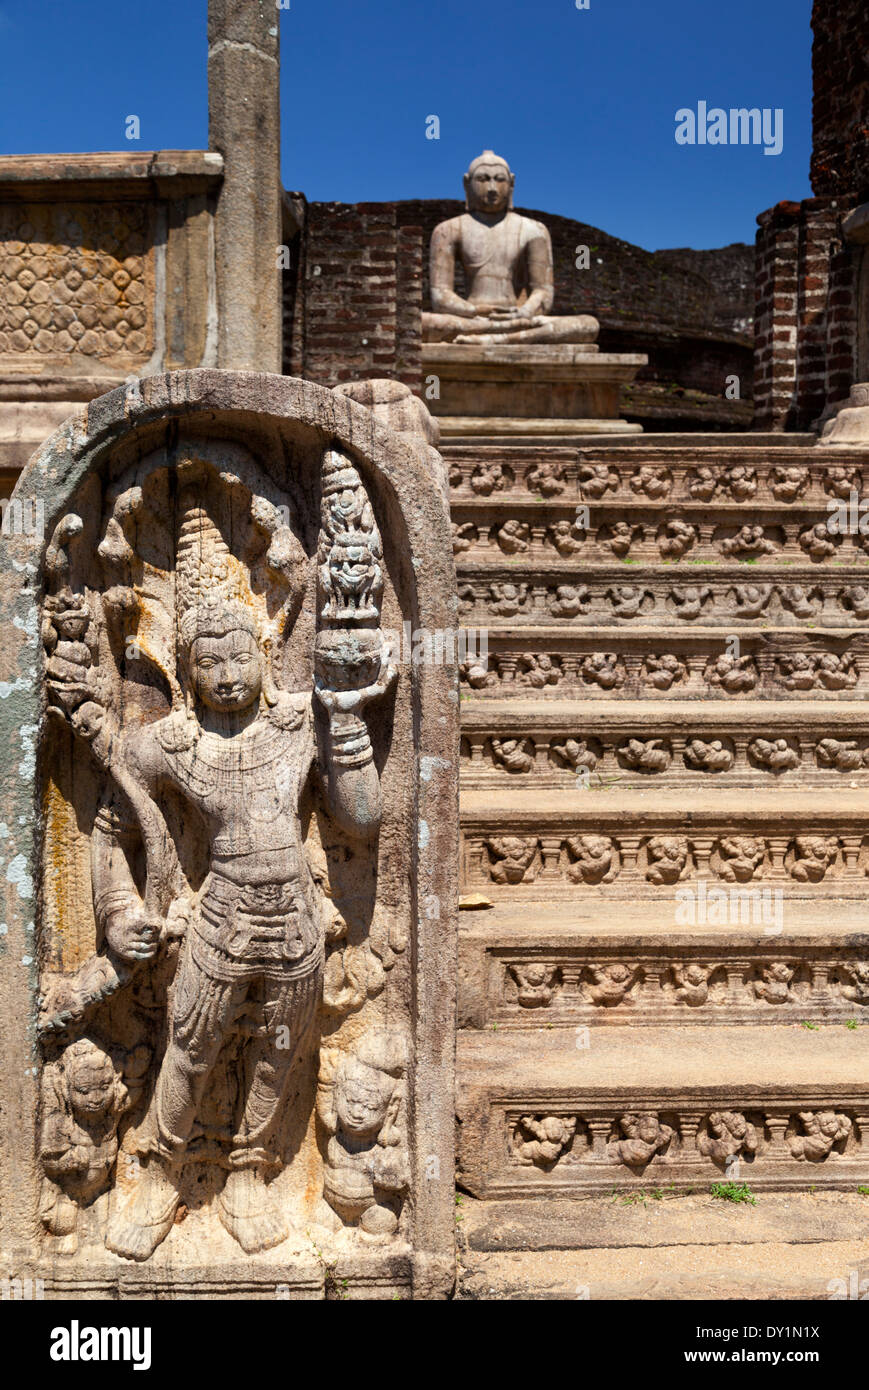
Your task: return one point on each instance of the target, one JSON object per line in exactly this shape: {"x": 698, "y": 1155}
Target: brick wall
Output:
{"x": 806, "y": 328}
{"x": 840, "y": 59}
{"x": 805, "y": 313}
{"x": 358, "y": 315}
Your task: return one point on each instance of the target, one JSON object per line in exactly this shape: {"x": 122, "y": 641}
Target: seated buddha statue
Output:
{"x": 507, "y": 260}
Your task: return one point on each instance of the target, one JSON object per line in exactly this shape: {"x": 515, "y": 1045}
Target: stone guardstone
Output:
{"x": 228, "y": 829}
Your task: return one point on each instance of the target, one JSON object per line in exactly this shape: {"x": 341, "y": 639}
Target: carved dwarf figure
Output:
{"x": 822, "y": 1130}
{"x": 476, "y": 673}
{"x": 842, "y": 754}
{"x": 814, "y": 854}
{"x": 787, "y": 484}
{"x": 594, "y": 859}
{"x": 490, "y": 477}
{"x": 740, "y": 856}
{"x": 644, "y": 755}
{"x": 513, "y": 537}
{"x": 566, "y": 537}
{"x": 568, "y": 600}
{"x": 84, "y": 1096}
{"x": 774, "y": 753}
{"x": 628, "y": 601}
{"x": 775, "y": 983}
{"x": 676, "y": 539}
{"x": 748, "y": 540}
{"x": 692, "y": 983}
{"x": 740, "y": 481}
{"x": 652, "y": 481}
{"x": 547, "y": 478}
{"x": 514, "y": 754}
{"x": 542, "y": 1140}
{"x": 576, "y": 754}
{"x": 836, "y": 672}
{"x": 508, "y": 599}
{"x": 841, "y": 481}
{"x": 668, "y": 858}
{"x": 798, "y": 671}
{"x": 535, "y": 983}
{"x": 597, "y": 479}
{"x": 858, "y": 989}
{"x": 728, "y": 1134}
{"x": 856, "y": 600}
{"x": 689, "y": 599}
{"x": 513, "y": 859}
{"x": 646, "y": 1136}
{"x": 802, "y": 602}
{"x": 361, "y": 1102}
{"x": 603, "y": 669}
{"x": 711, "y": 756}
{"x": 465, "y": 535}
{"x": 611, "y": 984}
{"x": 735, "y": 674}
{"x": 750, "y": 600}
{"x": 664, "y": 671}
{"x": 538, "y": 670}
{"x": 620, "y": 536}
{"x": 818, "y": 542}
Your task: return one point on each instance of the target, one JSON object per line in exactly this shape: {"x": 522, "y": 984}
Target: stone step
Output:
{"x": 729, "y": 956}
{"x": 667, "y": 468}
{"x": 531, "y": 533}
{"x": 659, "y": 598}
{"x": 519, "y": 845}
{"x": 549, "y": 661}
{"x": 626, "y": 743}
{"x": 553, "y": 1114}
{"x": 650, "y": 1223}
{"x": 632, "y": 1246}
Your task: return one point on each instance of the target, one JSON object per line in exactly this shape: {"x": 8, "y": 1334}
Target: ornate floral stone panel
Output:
{"x": 76, "y": 281}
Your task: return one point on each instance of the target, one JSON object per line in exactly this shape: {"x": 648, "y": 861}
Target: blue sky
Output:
{"x": 582, "y": 102}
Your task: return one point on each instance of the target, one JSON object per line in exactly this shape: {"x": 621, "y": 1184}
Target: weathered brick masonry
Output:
{"x": 806, "y": 328}
{"x": 359, "y": 314}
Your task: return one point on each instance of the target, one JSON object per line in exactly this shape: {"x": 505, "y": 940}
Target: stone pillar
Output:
{"x": 244, "y": 126}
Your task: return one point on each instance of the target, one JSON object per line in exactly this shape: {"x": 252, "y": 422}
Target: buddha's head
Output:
{"x": 221, "y": 648}
{"x": 489, "y": 184}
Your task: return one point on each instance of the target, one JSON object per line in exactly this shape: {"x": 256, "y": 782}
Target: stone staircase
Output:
{"x": 664, "y": 957}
